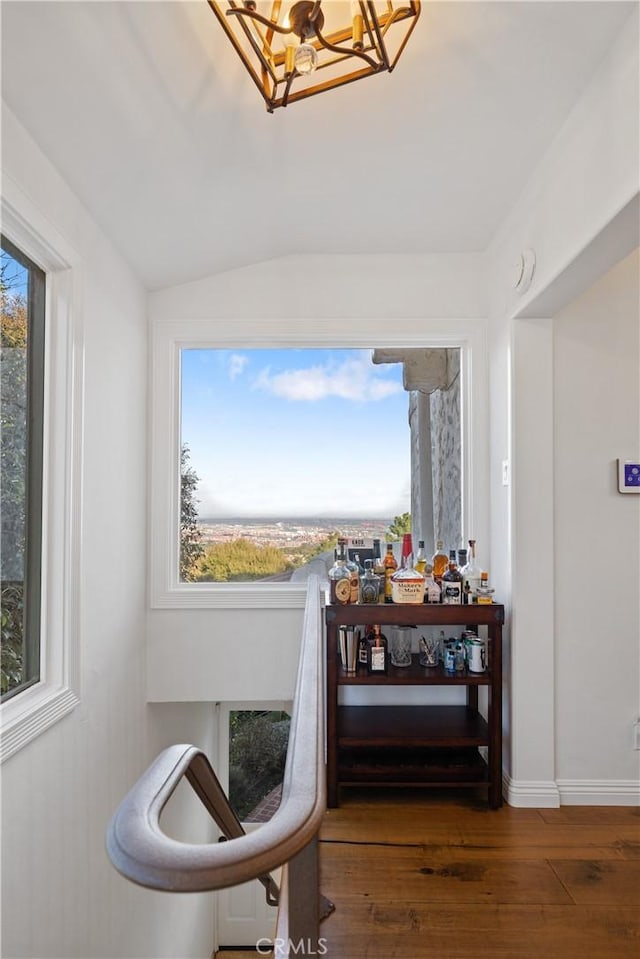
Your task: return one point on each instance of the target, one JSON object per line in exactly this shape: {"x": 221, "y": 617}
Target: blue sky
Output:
{"x": 296, "y": 432}
{"x": 16, "y": 276}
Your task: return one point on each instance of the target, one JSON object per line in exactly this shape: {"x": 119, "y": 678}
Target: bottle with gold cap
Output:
{"x": 420, "y": 561}
{"x": 390, "y": 566}
{"x": 440, "y": 561}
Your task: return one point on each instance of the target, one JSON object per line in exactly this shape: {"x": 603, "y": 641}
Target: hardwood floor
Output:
{"x": 419, "y": 875}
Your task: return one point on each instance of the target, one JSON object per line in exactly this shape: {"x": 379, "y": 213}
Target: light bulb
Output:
{"x": 306, "y": 59}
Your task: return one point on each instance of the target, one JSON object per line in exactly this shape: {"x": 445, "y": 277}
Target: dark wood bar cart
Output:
{"x": 430, "y": 745}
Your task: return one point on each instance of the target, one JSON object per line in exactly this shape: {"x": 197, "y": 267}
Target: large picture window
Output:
{"x": 22, "y": 405}
{"x": 281, "y": 451}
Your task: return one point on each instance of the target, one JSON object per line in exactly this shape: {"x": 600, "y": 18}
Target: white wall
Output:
{"x": 223, "y": 655}
{"x": 382, "y": 288}
{"x": 588, "y": 174}
{"x": 596, "y": 401}
{"x": 577, "y": 213}
{"x": 60, "y": 895}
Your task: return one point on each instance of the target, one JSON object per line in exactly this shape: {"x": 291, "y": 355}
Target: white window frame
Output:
{"x": 169, "y": 337}
{"x": 32, "y": 711}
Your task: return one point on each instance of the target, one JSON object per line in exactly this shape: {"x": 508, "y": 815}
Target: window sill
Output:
{"x": 31, "y": 713}
{"x": 231, "y": 596}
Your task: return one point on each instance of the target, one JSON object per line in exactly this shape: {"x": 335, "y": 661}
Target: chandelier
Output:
{"x": 295, "y": 50}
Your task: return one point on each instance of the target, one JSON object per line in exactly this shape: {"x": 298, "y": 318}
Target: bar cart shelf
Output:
{"x": 430, "y": 745}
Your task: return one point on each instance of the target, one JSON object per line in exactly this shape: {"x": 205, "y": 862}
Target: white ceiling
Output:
{"x": 148, "y": 114}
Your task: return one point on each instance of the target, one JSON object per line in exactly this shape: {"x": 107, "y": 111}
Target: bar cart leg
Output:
{"x": 495, "y": 714}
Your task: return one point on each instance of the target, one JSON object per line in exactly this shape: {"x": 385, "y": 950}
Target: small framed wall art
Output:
{"x": 629, "y": 475}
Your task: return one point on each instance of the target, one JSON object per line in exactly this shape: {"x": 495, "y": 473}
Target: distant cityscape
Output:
{"x": 294, "y": 532}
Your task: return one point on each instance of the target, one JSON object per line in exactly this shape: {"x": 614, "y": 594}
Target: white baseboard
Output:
{"x": 535, "y": 793}
{"x": 571, "y": 792}
{"x": 599, "y": 792}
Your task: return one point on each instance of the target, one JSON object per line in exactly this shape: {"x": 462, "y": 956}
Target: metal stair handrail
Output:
{"x": 141, "y": 851}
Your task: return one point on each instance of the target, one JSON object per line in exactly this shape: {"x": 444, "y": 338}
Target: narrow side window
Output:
{"x": 22, "y": 364}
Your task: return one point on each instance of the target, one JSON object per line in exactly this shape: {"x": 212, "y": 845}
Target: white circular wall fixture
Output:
{"x": 524, "y": 270}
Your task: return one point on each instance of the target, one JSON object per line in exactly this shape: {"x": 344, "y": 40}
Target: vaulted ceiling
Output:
{"x": 147, "y": 113}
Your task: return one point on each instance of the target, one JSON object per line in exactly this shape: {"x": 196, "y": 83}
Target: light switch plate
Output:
{"x": 629, "y": 476}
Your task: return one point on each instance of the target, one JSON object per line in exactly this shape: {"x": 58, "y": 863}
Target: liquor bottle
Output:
{"x": 406, "y": 555}
{"x": 390, "y": 566}
{"x": 471, "y": 573}
{"x": 484, "y": 593}
{"x": 462, "y": 562}
{"x": 369, "y": 584}
{"x": 439, "y": 562}
{"x": 363, "y": 647}
{"x": 354, "y": 571}
{"x": 421, "y": 557}
{"x": 376, "y": 551}
{"x": 378, "y": 568}
{"x": 355, "y": 580}
{"x": 339, "y": 581}
{"x": 377, "y": 661}
{"x": 452, "y": 583}
{"x": 432, "y": 591}
{"x": 407, "y": 584}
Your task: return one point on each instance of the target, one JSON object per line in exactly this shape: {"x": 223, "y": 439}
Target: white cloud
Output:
{"x": 354, "y": 379}
{"x": 237, "y": 363}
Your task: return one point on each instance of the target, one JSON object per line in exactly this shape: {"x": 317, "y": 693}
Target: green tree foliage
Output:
{"x": 11, "y": 647}
{"x": 257, "y": 753}
{"x": 191, "y": 548}
{"x": 301, "y": 555}
{"x": 13, "y": 399}
{"x": 14, "y": 305}
{"x": 401, "y": 524}
{"x": 241, "y": 560}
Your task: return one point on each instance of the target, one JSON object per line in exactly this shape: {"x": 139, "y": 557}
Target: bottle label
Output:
{"x": 341, "y": 591}
{"x": 378, "y": 659}
{"x": 433, "y": 592}
{"x": 388, "y": 573}
{"x": 369, "y": 591}
{"x": 451, "y": 593}
{"x": 354, "y": 587}
{"x": 407, "y": 591}
{"x": 449, "y": 659}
